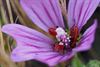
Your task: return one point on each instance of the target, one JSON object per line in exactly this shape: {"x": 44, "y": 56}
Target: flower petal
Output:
{"x": 33, "y": 45}
{"x": 79, "y": 11}
{"x": 53, "y": 58}
{"x": 87, "y": 38}
{"x": 44, "y": 14}
{"x": 24, "y": 33}
{"x": 24, "y": 52}
{"x": 28, "y": 41}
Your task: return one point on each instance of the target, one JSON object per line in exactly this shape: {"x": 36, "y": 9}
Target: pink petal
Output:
{"x": 87, "y": 38}
{"x": 24, "y": 52}
{"x": 48, "y": 56}
{"x": 53, "y": 58}
{"x": 25, "y": 34}
{"x": 79, "y": 11}
{"x": 28, "y": 40}
{"x": 44, "y": 14}
{"x": 33, "y": 45}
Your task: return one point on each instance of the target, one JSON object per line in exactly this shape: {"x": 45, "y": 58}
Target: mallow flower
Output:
{"x": 47, "y": 15}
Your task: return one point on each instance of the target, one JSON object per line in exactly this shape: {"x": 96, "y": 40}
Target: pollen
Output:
{"x": 64, "y": 41}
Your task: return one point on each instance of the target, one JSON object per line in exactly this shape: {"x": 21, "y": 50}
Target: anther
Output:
{"x": 52, "y": 31}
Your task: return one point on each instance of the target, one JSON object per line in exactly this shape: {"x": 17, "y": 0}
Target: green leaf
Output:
{"x": 93, "y": 63}
{"x": 77, "y": 63}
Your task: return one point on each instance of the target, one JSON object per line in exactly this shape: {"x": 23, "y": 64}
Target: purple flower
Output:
{"x": 46, "y": 14}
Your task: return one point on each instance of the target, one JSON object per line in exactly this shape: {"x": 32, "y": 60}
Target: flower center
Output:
{"x": 64, "y": 42}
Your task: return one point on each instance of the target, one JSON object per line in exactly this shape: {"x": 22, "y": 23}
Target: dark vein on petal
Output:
{"x": 42, "y": 21}
{"x": 33, "y": 45}
{"x": 80, "y": 12}
{"x": 51, "y": 57}
{"x": 40, "y": 52}
{"x": 34, "y": 39}
{"x": 74, "y": 13}
{"x": 59, "y": 60}
{"x": 85, "y": 14}
{"x": 89, "y": 34}
{"x": 48, "y": 15}
{"x": 88, "y": 11}
{"x": 22, "y": 30}
{"x": 24, "y": 36}
{"x": 57, "y": 17}
{"x": 84, "y": 38}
